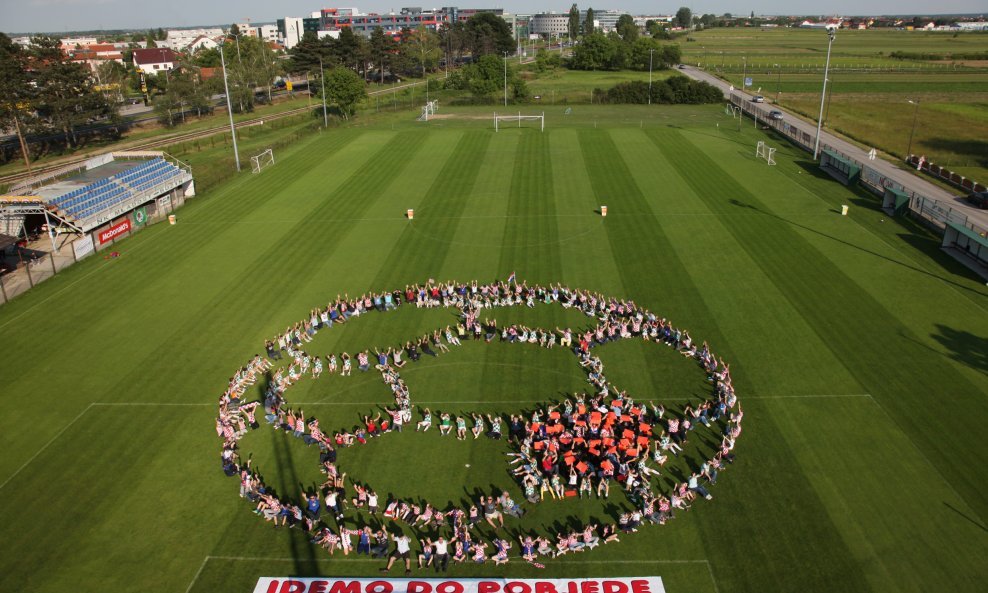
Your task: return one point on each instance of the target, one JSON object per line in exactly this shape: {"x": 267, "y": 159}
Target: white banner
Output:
{"x": 83, "y": 246}
{"x": 344, "y": 585}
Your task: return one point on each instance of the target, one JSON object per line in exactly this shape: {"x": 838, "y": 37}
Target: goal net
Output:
{"x": 262, "y": 160}
{"x": 430, "y": 108}
{"x": 498, "y": 119}
{"x": 763, "y": 151}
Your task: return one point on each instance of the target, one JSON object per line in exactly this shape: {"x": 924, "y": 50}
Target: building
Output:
{"x": 335, "y": 19}
{"x": 521, "y": 25}
{"x": 154, "y": 60}
{"x": 181, "y": 39}
{"x": 549, "y": 24}
{"x": 604, "y": 20}
{"x": 290, "y": 31}
{"x": 246, "y": 29}
{"x": 96, "y": 54}
{"x": 201, "y": 42}
{"x": 268, "y": 33}
{"x": 74, "y": 42}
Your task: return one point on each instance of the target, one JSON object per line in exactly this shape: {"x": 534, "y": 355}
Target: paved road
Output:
{"x": 904, "y": 177}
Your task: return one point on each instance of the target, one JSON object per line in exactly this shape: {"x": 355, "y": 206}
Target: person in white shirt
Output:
{"x": 441, "y": 555}
{"x": 402, "y": 550}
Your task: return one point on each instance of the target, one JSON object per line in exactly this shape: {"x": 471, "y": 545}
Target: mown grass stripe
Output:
{"x": 858, "y": 335}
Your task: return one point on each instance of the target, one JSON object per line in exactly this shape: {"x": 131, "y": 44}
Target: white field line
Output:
{"x": 198, "y": 572}
{"x": 45, "y": 446}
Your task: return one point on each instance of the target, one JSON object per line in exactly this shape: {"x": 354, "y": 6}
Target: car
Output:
{"x": 758, "y": 99}
{"x": 682, "y": 66}
{"x": 775, "y": 114}
{"x": 978, "y": 199}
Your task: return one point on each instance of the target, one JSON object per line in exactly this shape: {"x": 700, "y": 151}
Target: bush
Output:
{"x": 676, "y": 90}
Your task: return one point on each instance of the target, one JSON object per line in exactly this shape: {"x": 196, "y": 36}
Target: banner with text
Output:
{"x": 114, "y": 231}
{"x": 344, "y": 585}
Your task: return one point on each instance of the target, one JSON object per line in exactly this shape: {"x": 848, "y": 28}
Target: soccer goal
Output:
{"x": 430, "y": 108}
{"x": 262, "y": 160}
{"x": 762, "y": 151}
{"x": 519, "y": 118}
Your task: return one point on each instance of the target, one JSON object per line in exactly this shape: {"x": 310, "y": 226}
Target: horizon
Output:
{"x": 119, "y": 16}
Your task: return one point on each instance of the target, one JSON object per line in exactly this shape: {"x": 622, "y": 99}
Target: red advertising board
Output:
{"x": 454, "y": 585}
{"x": 114, "y": 231}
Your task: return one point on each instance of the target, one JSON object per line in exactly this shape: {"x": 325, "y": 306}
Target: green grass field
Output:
{"x": 868, "y": 90}
{"x": 857, "y": 347}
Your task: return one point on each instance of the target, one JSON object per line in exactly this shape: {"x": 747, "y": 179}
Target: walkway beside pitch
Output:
{"x": 903, "y": 177}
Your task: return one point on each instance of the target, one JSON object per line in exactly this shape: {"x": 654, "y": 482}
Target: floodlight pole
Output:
{"x": 322, "y": 82}
{"x": 909, "y": 151}
{"x": 229, "y": 110}
{"x": 744, "y": 74}
{"x": 505, "y": 79}
{"x": 823, "y": 94}
{"x": 650, "y": 52}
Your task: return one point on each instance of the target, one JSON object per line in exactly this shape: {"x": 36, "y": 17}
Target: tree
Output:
{"x": 420, "y": 48}
{"x": 16, "y": 95}
{"x": 595, "y": 52}
{"x": 684, "y": 17}
{"x": 307, "y": 53}
{"x": 381, "y": 46}
{"x": 588, "y": 23}
{"x": 234, "y": 30}
{"x": 345, "y": 88}
{"x": 150, "y": 39}
{"x": 573, "y": 26}
{"x": 485, "y": 79}
{"x": 627, "y": 28}
{"x": 487, "y": 34}
{"x": 66, "y": 99}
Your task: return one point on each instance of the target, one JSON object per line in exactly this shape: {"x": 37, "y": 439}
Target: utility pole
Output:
{"x": 778, "y": 85}
{"x": 650, "y": 52}
{"x": 229, "y": 109}
{"x": 505, "y": 79}
{"x": 826, "y": 71}
{"x": 322, "y": 81}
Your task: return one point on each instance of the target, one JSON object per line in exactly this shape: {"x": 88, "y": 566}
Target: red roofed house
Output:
{"x": 93, "y": 55}
{"x": 155, "y": 59}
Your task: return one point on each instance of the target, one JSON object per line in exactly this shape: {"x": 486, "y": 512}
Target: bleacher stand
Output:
{"x": 105, "y": 193}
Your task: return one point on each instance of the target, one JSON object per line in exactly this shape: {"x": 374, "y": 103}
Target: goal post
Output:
{"x": 763, "y": 151}
{"x": 519, "y": 118}
{"x": 428, "y": 109}
{"x": 262, "y": 160}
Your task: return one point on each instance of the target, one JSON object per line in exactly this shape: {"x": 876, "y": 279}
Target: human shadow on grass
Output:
{"x": 754, "y": 208}
{"x": 303, "y": 553}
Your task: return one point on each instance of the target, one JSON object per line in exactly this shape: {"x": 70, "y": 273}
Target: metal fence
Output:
{"x": 34, "y": 271}
{"x": 928, "y": 210}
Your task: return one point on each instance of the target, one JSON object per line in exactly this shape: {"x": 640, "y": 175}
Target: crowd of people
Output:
{"x": 575, "y": 448}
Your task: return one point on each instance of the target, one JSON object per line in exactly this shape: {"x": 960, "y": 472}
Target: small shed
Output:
{"x": 966, "y": 241}
{"x": 895, "y": 201}
{"x": 840, "y": 167}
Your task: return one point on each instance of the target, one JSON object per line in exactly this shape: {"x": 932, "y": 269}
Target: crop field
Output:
{"x": 858, "y": 351}
{"x": 869, "y": 92}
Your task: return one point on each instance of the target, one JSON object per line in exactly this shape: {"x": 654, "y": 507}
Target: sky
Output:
{"x": 53, "y": 16}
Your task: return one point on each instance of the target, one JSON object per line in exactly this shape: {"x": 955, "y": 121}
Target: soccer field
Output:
{"x": 859, "y": 352}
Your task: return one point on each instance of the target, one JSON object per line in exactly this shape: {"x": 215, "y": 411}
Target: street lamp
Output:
{"x": 831, "y": 33}
{"x": 744, "y": 73}
{"x": 909, "y": 151}
{"x": 650, "y": 52}
{"x": 778, "y": 85}
{"x": 505, "y": 79}
{"x": 229, "y": 110}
